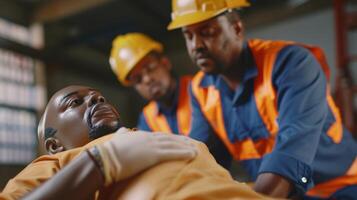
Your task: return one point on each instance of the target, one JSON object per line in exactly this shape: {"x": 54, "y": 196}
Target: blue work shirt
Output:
{"x": 303, "y": 152}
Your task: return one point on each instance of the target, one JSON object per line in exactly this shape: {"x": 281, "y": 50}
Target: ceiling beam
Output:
{"x": 277, "y": 13}
{"x": 110, "y": 24}
{"x": 57, "y": 9}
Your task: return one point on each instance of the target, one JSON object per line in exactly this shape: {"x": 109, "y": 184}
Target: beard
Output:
{"x": 169, "y": 93}
{"x": 212, "y": 68}
{"x": 102, "y": 130}
{"x": 208, "y": 63}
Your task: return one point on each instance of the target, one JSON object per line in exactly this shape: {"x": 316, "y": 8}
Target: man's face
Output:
{"x": 80, "y": 114}
{"x": 151, "y": 77}
{"x": 213, "y": 45}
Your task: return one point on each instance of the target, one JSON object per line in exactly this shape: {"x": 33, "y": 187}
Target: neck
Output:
{"x": 233, "y": 75}
{"x": 232, "y": 83}
{"x": 168, "y": 99}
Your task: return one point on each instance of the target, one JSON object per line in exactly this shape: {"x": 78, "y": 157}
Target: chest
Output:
{"x": 241, "y": 115}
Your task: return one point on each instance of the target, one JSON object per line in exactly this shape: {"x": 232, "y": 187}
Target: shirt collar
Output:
{"x": 248, "y": 63}
{"x": 250, "y": 71}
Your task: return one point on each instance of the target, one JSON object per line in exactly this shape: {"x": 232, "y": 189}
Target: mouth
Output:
{"x": 202, "y": 59}
{"x": 203, "y": 62}
{"x": 201, "y": 55}
{"x": 154, "y": 89}
{"x": 99, "y": 112}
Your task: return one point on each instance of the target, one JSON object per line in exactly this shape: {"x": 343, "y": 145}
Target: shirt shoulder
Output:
{"x": 295, "y": 58}
{"x": 36, "y": 173}
{"x": 293, "y": 51}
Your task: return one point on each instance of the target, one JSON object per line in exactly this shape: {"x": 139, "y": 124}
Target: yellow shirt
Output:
{"x": 199, "y": 178}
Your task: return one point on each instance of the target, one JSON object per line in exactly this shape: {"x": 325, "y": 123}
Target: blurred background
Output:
{"x": 46, "y": 45}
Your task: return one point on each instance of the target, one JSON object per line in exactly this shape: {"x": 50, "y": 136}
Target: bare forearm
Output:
{"x": 273, "y": 185}
{"x": 78, "y": 180}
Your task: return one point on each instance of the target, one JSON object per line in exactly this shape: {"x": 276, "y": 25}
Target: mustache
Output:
{"x": 201, "y": 53}
{"x": 94, "y": 108}
{"x": 89, "y": 116}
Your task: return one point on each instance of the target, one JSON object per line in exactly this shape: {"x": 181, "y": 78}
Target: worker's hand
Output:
{"x": 130, "y": 152}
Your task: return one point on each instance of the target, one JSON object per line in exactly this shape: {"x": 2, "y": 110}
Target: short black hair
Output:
{"x": 50, "y": 132}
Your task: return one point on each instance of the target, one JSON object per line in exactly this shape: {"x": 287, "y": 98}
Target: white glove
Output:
{"x": 130, "y": 152}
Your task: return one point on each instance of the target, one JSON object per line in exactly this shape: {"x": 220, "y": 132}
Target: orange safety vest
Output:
{"x": 264, "y": 53}
{"x": 158, "y": 121}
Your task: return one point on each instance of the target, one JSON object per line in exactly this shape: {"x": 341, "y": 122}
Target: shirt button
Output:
{"x": 304, "y": 179}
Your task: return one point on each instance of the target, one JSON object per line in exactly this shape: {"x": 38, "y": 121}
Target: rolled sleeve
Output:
{"x": 299, "y": 173}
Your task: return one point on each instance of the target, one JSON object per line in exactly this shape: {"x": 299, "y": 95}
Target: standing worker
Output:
{"x": 138, "y": 61}
{"x": 269, "y": 102}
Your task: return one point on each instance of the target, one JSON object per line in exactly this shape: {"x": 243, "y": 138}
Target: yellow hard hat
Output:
{"x": 128, "y": 50}
{"x": 187, "y": 12}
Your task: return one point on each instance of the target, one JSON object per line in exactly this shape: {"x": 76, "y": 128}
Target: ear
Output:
{"x": 53, "y": 146}
{"x": 166, "y": 62}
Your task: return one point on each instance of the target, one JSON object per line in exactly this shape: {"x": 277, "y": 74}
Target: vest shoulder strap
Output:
{"x": 184, "y": 106}
{"x": 156, "y": 121}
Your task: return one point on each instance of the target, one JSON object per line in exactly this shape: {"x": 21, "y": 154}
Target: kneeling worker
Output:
{"x": 86, "y": 161}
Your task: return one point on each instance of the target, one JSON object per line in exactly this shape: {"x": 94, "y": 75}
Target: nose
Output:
{"x": 197, "y": 43}
{"x": 95, "y": 98}
{"x": 146, "y": 78}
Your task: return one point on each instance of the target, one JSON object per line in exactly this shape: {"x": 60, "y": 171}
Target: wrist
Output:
{"x": 112, "y": 167}
{"x": 94, "y": 154}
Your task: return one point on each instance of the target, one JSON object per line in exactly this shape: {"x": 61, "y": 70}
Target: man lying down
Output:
{"x": 86, "y": 161}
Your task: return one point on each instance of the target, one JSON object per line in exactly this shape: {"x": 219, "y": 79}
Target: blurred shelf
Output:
{"x": 15, "y": 107}
{"x": 20, "y": 48}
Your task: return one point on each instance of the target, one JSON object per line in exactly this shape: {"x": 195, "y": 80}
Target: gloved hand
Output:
{"x": 130, "y": 152}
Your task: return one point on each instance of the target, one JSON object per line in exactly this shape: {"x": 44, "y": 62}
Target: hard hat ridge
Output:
{"x": 187, "y": 12}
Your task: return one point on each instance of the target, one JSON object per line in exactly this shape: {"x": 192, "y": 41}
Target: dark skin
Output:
{"x": 67, "y": 112}
{"x": 152, "y": 79}
{"x": 213, "y": 45}
{"x": 205, "y": 42}
{"x": 74, "y": 112}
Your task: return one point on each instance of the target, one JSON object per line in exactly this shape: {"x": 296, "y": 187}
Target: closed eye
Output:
{"x": 74, "y": 102}
{"x": 209, "y": 31}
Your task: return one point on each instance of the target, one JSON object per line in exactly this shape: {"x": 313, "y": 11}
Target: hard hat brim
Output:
{"x": 193, "y": 18}
{"x": 153, "y": 47}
